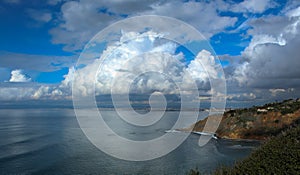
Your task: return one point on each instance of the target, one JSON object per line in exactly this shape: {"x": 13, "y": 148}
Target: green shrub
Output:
{"x": 280, "y": 155}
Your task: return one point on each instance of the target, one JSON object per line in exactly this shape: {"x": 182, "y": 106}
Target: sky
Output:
{"x": 257, "y": 42}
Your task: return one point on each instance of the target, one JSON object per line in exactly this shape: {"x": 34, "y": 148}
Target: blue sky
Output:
{"x": 43, "y": 39}
{"x": 22, "y": 33}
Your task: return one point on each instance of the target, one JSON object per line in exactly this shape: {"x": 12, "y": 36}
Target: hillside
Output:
{"x": 279, "y": 155}
{"x": 258, "y": 122}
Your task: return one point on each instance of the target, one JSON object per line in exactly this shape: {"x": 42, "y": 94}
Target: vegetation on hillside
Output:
{"x": 257, "y": 122}
{"x": 279, "y": 155}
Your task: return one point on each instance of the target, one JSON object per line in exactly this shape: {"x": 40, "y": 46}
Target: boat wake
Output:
{"x": 213, "y": 135}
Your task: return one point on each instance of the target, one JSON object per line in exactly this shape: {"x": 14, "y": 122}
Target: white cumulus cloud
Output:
{"x": 144, "y": 65}
{"x": 253, "y": 6}
{"x": 272, "y": 58}
{"x": 18, "y": 76}
{"x": 80, "y": 20}
{"x": 141, "y": 65}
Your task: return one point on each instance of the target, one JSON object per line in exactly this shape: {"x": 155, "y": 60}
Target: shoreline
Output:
{"x": 243, "y": 140}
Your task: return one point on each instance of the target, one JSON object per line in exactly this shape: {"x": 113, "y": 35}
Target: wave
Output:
{"x": 240, "y": 147}
{"x": 26, "y": 153}
{"x": 172, "y": 131}
{"x": 24, "y": 141}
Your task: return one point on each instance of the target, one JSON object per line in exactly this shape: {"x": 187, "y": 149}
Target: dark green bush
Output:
{"x": 279, "y": 155}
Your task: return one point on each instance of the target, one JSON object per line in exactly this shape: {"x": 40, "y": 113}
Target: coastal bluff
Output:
{"x": 257, "y": 122}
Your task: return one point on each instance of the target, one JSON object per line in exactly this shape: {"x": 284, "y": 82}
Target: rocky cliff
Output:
{"x": 257, "y": 122}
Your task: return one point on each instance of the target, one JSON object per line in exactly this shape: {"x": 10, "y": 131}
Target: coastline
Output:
{"x": 243, "y": 140}
{"x": 259, "y": 123}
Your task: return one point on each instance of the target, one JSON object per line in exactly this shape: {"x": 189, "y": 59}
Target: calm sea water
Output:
{"x": 49, "y": 141}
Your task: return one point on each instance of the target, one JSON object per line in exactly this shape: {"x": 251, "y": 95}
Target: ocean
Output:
{"x": 50, "y": 141}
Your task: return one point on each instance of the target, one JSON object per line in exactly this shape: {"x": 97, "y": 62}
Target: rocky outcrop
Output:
{"x": 258, "y": 122}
